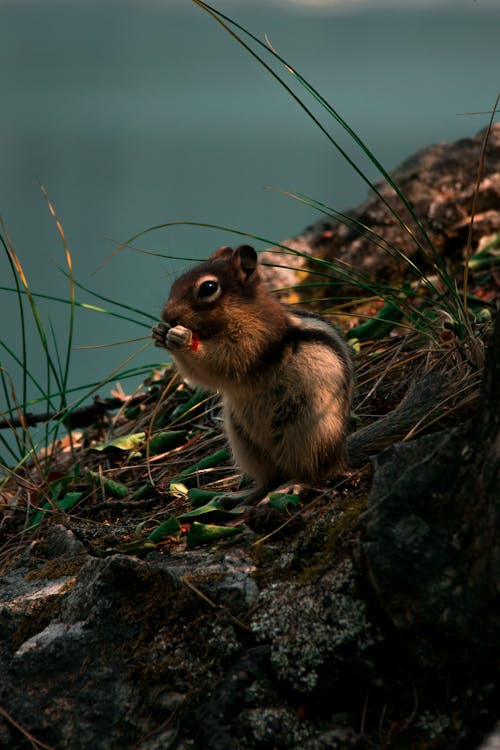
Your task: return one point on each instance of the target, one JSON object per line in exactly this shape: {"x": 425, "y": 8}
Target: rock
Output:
{"x": 121, "y": 650}
{"x": 432, "y": 513}
{"x": 438, "y": 182}
{"x": 61, "y": 542}
{"x": 316, "y": 631}
{"x": 433, "y": 545}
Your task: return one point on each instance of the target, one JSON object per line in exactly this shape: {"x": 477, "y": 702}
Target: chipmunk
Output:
{"x": 285, "y": 375}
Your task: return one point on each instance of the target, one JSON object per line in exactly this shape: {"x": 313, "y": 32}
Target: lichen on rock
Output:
{"x": 316, "y": 631}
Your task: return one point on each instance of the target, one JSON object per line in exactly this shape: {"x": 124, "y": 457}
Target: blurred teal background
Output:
{"x": 134, "y": 114}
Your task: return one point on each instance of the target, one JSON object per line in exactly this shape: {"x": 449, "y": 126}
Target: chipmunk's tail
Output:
{"x": 421, "y": 400}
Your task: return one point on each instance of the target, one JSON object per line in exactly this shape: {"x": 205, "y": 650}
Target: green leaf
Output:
{"x": 212, "y": 511}
{"x": 379, "y": 326}
{"x": 132, "y": 412}
{"x": 171, "y": 527}
{"x": 206, "y": 463}
{"x": 159, "y": 443}
{"x": 200, "y": 533}
{"x": 197, "y": 397}
{"x": 65, "y": 503}
{"x": 165, "y": 441}
{"x": 486, "y": 256}
{"x": 115, "y": 489}
{"x": 132, "y": 442}
{"x": 38, "y": 516}
{"x": 483, "y": 315}
{"x": 198, "y": 497}
{"x": 282, "y": 501}
{"x": 69, "y": 499}
{"x": 177, "y": 489}
{"x": 142, "y": 491}
{"x": 477, "y": 262}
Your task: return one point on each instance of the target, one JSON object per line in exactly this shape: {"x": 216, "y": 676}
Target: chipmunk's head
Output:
{"x": 213, "y": 296}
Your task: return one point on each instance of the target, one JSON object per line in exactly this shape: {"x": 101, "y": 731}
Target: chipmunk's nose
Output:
{"x": 170, "y": 316}
{"x": 169, "y": 320}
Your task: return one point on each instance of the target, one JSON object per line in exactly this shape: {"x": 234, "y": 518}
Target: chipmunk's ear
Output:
{"x": 245, "y": 260}
{"x": 223, "y": 252}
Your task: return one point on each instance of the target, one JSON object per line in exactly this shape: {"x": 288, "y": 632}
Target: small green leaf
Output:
{"x": 38, "y": 516}
{"x": 66, "y": 502}
{"x": 195, "y": 399}
{"x": 115, "y": 489}
{"x": 177, "y": 489}
{"x": 212, "y": 511}
{"x": 198, "y": 497}
{"x": 483, "y": 315}
{"x": 476, "y": 262}
{"x": 379, "y": 326}
{"x": 69, "y": 499}
{"x": 206, "y": 463}
{"x": 132, "y": 442}
{"x": 142, "y": 491}
{"x": 200, "y": 533}
{"x": 132, "y": 412}
{"x": 282, "y": 501}
{"x": 165, "y": 441}
{"x": 487, "y": 255}
{"x": 171, "y": 527}
{"x": 457, "y": 327}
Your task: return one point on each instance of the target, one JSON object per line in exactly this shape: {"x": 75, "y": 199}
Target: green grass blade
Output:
{"x": 84, "y": 305}
{"x": 8, "y": 415}
{"x": 64, "y": 369}
{"x": 90, "y": 388}
{"x": 122, "y": 305}
{"x": 377, "y": 239}
{"x": 35, "y": 312}
{"x": 21, "y": 313}
{"x": 218, "y": 16}
{"x": 435, "y": 260}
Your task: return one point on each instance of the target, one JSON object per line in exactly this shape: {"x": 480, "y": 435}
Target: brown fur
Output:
{"x": 285, "y": 377}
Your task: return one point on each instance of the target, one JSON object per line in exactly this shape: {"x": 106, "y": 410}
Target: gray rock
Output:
{"x": 316, "y": 631}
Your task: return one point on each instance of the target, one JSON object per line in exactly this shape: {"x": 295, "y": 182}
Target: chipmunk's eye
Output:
{"x": 208, "y": 290}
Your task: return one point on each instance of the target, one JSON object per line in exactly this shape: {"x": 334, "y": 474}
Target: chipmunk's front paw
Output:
{"x": 159, "y": 334}
{"x": 179, "y": 337}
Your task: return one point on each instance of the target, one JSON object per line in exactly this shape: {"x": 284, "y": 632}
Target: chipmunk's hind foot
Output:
{"x": 244, "y": 497}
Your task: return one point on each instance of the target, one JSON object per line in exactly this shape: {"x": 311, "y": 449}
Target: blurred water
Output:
{"x": 134, "y": 114}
